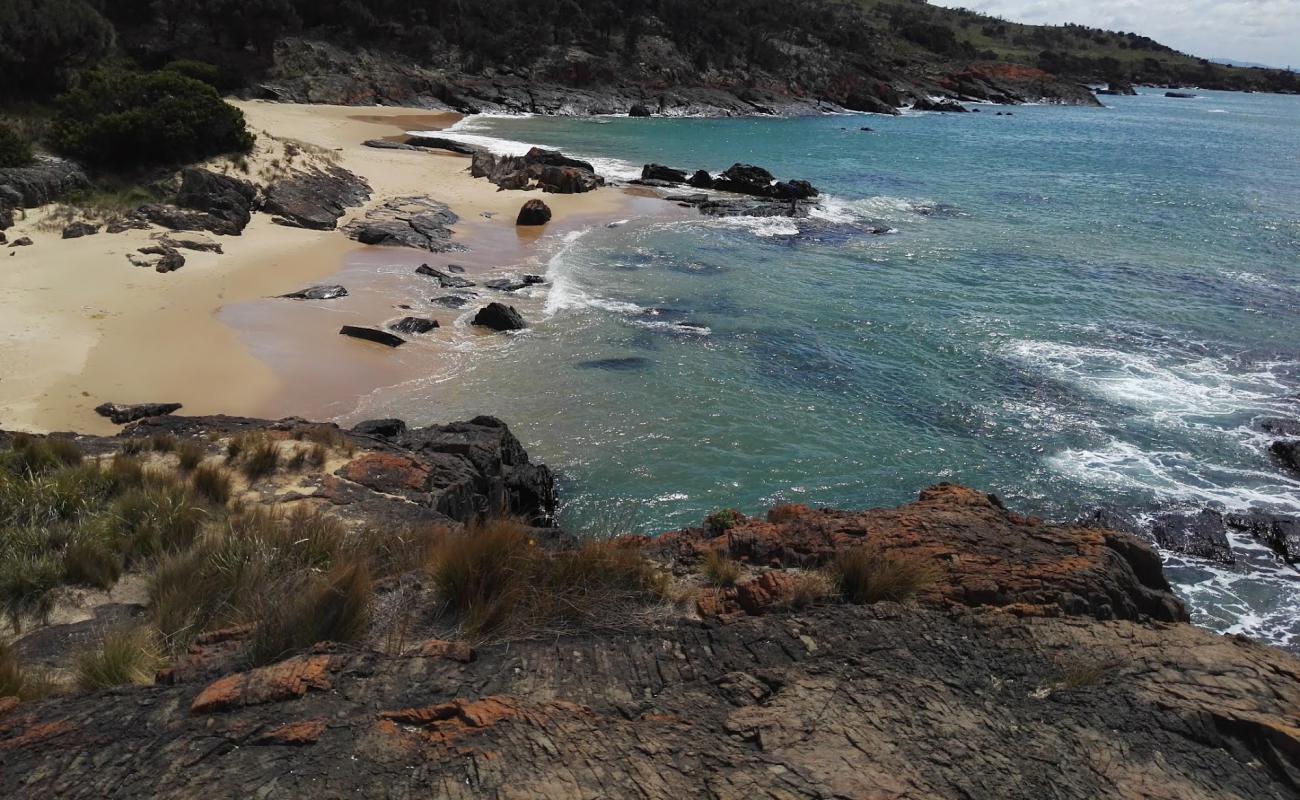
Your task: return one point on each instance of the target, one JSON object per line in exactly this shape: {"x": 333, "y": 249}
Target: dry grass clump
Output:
{"x": 190, "y": 454}
{"x": 261, "y": 457}
{"x": 719, "y": 569}
{"x": 807, "y": 588}
{"x": 785, "y": 512}
{"x": 870, "y": 574}
{"x": 123, "y": 657}
{"x": 313, "y": 608}
{"x": 212, "y": 483}
{"x": 498, "y": 581}
{"x": 163, "y": 443}
{"x": 16, "y": 681}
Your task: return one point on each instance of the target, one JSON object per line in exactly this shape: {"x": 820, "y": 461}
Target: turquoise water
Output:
{"x": 1073, "y": 307}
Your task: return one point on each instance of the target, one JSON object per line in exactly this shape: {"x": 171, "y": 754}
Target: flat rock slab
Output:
{"x": 415, "y": 222}
{"x": 121, "y": 414}
{"x": 413, "y": 325}
{"x": 372, "y": 335}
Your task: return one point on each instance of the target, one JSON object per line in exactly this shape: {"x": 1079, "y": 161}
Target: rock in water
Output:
{"x": 413, "y": 325}
{"x": 942, "y": 105}
{"x": 1279, "y": 533}
{"x": 701, "y": 180}
{"x": 745, "y": 179}
{"x": 534, "y": 212}
{"x": 372, "y": 335}
{"x": 386, "y": 428}
{"x": 638, "y": 110}
{"x": 1287, "y": 451}
{"x": 1202, "y": 535}
{"x": 450, "y": 301}
{"x": 657, "y": 172}
{"x": 327, "y": 292}
{"x": 122, "y": 414}
{"x": 1180, "y": 95}
{"x": 500, "y": 317}
{"x": 79, "y": 229}
{"x": 444, "y": 280}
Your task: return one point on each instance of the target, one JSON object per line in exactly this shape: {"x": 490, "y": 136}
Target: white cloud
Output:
{"x": 1264, "y": 31}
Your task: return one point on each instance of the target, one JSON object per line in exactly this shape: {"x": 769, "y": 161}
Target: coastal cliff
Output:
{"x": 946, "y": 648}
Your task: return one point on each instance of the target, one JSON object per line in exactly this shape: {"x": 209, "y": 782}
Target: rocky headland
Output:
{"x": 984, "y": 654}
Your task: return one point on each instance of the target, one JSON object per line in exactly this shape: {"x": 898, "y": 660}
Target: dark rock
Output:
{"x": 626, "y": 364}
{"x": 120, "y": 414}
{"x": 638, "y": 110}
{"x": 180, "y": 219}
{"x": 326, "y": 292}
{"x": 315, "y": 199}
{"x": 1279, "y": 533}
{"x": 444, "y": 280}
{"x": 385, "y": 144}
{"x": 79, "y": 229}
{"x": 745, "y": 179}
{"x": 413, "y": 325}
{"x": 132, "y": 223}
{"x": 159, "y": 257}
{"x": 1111, "y": 519}
{"x": 1279, "y": 426}
{"x": 1180, "y": 95}
{"x": 1202, "y": 535}
{"x": 656, "y": 172}
{"x": 500, "y": 317}
{"x": 416, "y": 222}
{"x": 798, "y": 190}
{"x": 41, "y": 183}
{"x": 940, "y": 105}
{"x": 372, "y": 335}
{"x": 513, "y": 285}
{"x": 1287, "y": 451}
{"x": 450, "y": 301}
{"x": 386, "y": 428}
{"x": 197, "y": 243}
{"x": 534, "y": 212}
{"x": 867, "y": 130}
{"x": 554, "y": 158}
{"x": 701, "y": 180}
{"x": 21, "y": 241}
{"x": 440, "y": 143}
{"x": 456, "y": 268}
{"x": 229, "y": 200}
{"x": 548, "y": 170}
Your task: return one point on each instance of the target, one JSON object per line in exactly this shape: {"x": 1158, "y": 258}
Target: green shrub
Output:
{"x": 29, "y": 455}
{"x": 126, "y": 119}
{"x": 43, "y": 41}
{"x": 123, "y": 657}
{"x": 15, "y": 151}
{"x": 719, "y": 522}
{"x": 869, "y": 574}
{"x": 155, "y": 519}
{"x": 211, "y": 74}
{"x": 333, "y": 608}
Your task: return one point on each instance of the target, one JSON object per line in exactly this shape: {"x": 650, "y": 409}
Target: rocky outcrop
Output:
{"x": 41, "y": 183}
{"x": 316, "y": 198}
{"x": 500, "y": 317}
{"x": 122, "y": 414}
{"x": 416, "y": 222}
{"x": 327, "y": 292}
{"x": 548, "y": 170}
{"x": 227, "y": 199}
{"x": 658, "y": 172}
{"x": 534, "y": 212}
{"x": 372, "y": 335}
{"x": 952, "y": 695}
{"x": 79, "y": 229}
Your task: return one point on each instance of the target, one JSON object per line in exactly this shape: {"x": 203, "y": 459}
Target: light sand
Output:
{"x": 79, "y": 325}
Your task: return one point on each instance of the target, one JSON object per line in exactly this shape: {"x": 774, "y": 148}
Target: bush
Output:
{"x": 333, "y": 608}
{"x": 123, "y": 657}
{"x": 868, "y": 574}
{"x": 126, "y": 119}
{"x": 43, "y": 41}
{"x": 211, "y": 74}
{"x": 92, "y": 559}
{"x": 719, "y": 522}
{"x": 719, "y": 570}
{"x": 15, "y": 151}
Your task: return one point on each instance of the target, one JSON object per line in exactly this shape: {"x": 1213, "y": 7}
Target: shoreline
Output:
{"x": 86, "y": 327}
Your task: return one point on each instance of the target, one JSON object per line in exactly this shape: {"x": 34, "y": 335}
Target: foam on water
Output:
{"x": 841, "y": 211}
{"x": 762, "y": 227}
{"x": 471, "y": 130}
{"x": 564, "y": 292}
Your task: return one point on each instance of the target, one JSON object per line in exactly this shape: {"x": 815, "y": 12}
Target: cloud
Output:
{"x": 1264, "y": 31}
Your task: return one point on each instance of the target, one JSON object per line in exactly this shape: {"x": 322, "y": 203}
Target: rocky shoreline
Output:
{"x": 1036, "y": 660}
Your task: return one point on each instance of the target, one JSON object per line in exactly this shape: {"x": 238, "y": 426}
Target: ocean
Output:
{"x": 1069, "y": 307}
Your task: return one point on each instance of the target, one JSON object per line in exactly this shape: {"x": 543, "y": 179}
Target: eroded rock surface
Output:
{"x": 407, "y": 222}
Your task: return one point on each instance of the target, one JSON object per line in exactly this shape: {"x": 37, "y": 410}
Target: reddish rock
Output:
{"x": 452, "y": 651}
{"x": 8, "y": 704}
{"x": 447, "y": 723}
{"x": 387, "y": 472}
{"x": 770, "y": 589}
{"x": 286, "y": 680}
{"x": 294, "y": 734}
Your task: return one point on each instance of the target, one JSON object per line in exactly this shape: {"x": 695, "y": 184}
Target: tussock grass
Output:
{"x": 163, "y": 443}
{"x": 190, "y": 454}
{"x": 806, "y": 589}
{"x": 719, "y": 570}
{"x": 16, "y": 681}
{"x": 123, "y": 657}
{"x": 30, "y": 456}
{"x": 497, "y": 581}
{"x": 258, "y": 455}
{"x": 870, "y": 574}
{"x": 313, "y": 608}
{"x": 212, "y": 483}
{"x": 134, "y": 446}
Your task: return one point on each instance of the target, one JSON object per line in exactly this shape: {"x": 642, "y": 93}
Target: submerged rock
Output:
{"x": 444, "y": 280}
{"x": 325, "y": 292}
{"x": 1202, "y": 535}
{"x": 451, "y": 301}
{"x": 625, "y": 364}
{"x": 1287, "y": 452}
{"x": 372, "y": 335}
{"x": 120, "y": 414}
{"x": 534, "y": 212}
{"x": 413, "y": 325}
{"x": 500, "y": 317}
{"x": 1278, "y": 532}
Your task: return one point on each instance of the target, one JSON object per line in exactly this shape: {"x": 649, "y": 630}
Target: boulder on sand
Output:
{"x": 658, "y": 172}
{"x": 534, "y": 212}
{"x": 500, "y": 317}
{"x": 372, "y": 335}
{"x": 79, "y": 229}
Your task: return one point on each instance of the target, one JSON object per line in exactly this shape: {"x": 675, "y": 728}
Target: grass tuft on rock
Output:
{"x": 123, "y": 657}
{"x": 719, "y": 569}
{"x": 310, "y": 609}
{"x": 17, "y": 681}
{"x": 869, "y": 574}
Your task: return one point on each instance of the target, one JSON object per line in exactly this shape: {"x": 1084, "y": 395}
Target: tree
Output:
{"x": 15, "y": 151}
{"x": 43, "y": 41}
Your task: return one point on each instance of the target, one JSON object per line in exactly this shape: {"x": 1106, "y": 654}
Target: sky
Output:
{"x": 1261, "y": 31}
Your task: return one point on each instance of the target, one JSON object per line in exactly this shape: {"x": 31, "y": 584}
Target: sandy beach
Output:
{"x": 81, "y": 325}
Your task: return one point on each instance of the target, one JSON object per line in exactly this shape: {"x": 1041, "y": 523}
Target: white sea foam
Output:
{"x": 565, "y": 293}
{"x": 842, "y": 211}
{"x": 762, "y": 227}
